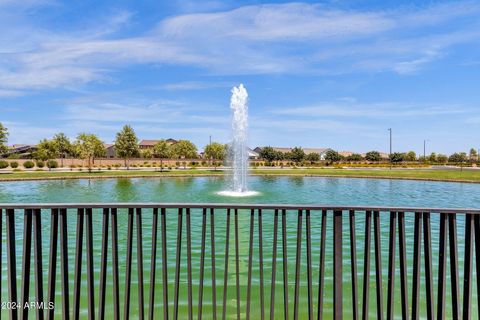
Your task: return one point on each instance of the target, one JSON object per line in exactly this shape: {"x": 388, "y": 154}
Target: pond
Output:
{"x": 294, "y": 190}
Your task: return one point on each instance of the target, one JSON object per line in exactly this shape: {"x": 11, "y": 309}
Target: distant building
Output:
{"x": 109, "y": 150}
{"x": 346, "y": 153}
{"x": 149, "y": 144}
{"x": 321, "y": 151}
{"x": 252, "y": 154}
{"x": 21, "y": 150}
{"x": 383, "y": 155}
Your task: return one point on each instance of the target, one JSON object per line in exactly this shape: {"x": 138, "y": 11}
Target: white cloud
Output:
{"x": 257, "y": 39}
{"x": 372, "y": 110}
{"x": 196, "y": 85}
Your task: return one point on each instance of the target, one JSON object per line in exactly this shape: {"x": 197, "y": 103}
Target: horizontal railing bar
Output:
{"x": 130, "y": 205}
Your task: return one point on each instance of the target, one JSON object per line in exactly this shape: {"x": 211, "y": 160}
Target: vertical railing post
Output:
{"x": 442, "y": 266}
{"x": 391, "y": 265}
{"x": 11, "y": 260}
{"x": 37, "y": 231}
{"x": 337, "y": 265}
{"x": 427, "y": 242}
{"x": 378, "y": 265}
{"x": 164, "y": 262}
{"x": 153, "y": 265}
{"x": 128, "y": 268}
{"x": 115, "y": 275}
{"x": 321, "y": 273}
{"x": 214, "y": 280}
{"x": 225, "y": 273}
{"x": 202, "y": 264}
{"x": 403, "y": 264}
{"x": 103, "y": 265}
{"x": 417, "y": 242}
{"x": 285, "y": 264}
{"x": 64, "y": 264}
{"x": 298, "y": 251}
{"x": 52, "y": 265}
{"x": 467, "y": 273}
{"x": 353, "y": 263}
{"x": 366, "y": 265}
{"x": 452, "y": 240}
{"x": 78, "y": 264}
{"x": 27, "y": 251}
{"x": 274, "y": 266}
{"x": 250, "y": 257}
{"x": 176, "y": 288}
{"x": 141, "y": 299}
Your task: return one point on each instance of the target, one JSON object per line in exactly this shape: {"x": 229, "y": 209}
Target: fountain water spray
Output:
{"x": 238, "y": 152}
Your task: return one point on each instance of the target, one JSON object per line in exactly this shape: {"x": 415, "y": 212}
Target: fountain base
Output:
{"x": 229, "y": 193}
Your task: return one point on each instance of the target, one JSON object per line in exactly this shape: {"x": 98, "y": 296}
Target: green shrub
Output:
{"x": 28, "y": 164}
{"x": 17, "y": 170}
{"x": 40, "y": 164}
{"x": 51, "y": 164}
{"x": 14, "y": 164}
{"x": 3, "y": 164}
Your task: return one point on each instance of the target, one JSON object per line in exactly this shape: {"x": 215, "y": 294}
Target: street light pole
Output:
{"x": 390, "y": 154}
{"x": 424, "y": 150}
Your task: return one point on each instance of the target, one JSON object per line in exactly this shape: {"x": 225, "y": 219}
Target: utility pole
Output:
{"x": 210, "y": 139}
{"x": 390, "y": 154}
{"x": 424, "y": 150}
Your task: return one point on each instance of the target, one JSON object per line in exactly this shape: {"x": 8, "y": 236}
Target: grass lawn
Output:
{"x": 417, "y": 174}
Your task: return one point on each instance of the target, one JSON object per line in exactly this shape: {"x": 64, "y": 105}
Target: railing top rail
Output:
{"x": 279, "y": 206}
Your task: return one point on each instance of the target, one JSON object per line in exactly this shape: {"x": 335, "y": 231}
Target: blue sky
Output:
{"x": 319, "y": 74}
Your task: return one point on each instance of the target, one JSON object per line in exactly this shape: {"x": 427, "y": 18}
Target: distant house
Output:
{"x": 346, "y": 153}
{"x": 252, "y": 154}
{"x": 149, "y": 144}
{"x": 321, "y": 151}
{"x": 109, "y": 150}
{"x": 21, "y": 150}
{"x": 383, "y": 155}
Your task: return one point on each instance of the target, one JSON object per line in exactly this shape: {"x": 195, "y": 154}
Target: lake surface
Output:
{"x": 299, "y": 190}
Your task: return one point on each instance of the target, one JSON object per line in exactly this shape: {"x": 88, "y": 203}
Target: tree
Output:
{"x": 215, "y": 151}
{"x": 373, "y": 156}
{"x": 411, "y": 156}
{"x": 89, "y": 146}
{"x": 432, "y": 157}
{"x": 441, "y": 158}
{"x": 279, "y": 155}
{"x": 355, "y": 157}
{"x": 63, "y": 145}
{"x": 397, "y": 157}
{"x": 458, "y": 157}
{"x": 332, "y": 156}
{"x": 3, "y": 139}
{"x": 184, "y": 149}
{"x": 269, "y": 154}
{"x": 313, "y": 157}
{"x": 46, "y": 150}
{"x": 162, "y": 150}
{"x": 146, "y": 153}
{"x": 126, "y": 144}
{"x": 473, "y": 155}
{"x": 297, "y": 154}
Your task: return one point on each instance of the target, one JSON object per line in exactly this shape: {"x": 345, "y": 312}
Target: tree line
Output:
{"x": 88, "y": 146}
{"x": 298, "y": 155}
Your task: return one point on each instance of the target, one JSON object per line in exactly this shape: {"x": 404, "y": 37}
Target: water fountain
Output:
{"x": 238, "y": 153}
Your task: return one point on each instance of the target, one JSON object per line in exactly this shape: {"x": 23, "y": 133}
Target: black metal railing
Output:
{"x": 305, "y": 224}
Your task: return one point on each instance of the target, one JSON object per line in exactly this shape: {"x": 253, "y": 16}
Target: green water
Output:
{"x": 272, "y": 190}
